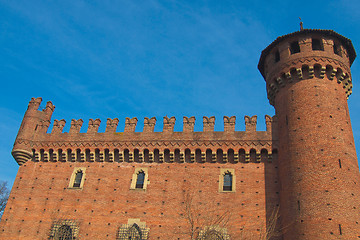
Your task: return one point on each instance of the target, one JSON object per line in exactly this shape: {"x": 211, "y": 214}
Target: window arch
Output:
{"x": 227, "y": 180}
{"x": 213, "y": 235}
{"x": 64, "y": 230}
{"x": 139, "y": 179}
{"x": 77, "y": 178}
{"x": 214, "y": 232}
{"x": 64, "y": 233}
{"x": 134, "y": 232}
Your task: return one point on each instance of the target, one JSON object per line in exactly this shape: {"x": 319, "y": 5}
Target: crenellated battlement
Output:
{"x": 149, "y": 125}
{"x": 93, "y": 139}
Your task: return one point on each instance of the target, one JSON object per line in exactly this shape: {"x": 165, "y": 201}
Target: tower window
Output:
{"x": 78, "y": 178}
{"x": 337, "y": 50}
{"x": 317, "y": 44}
{"x": 294, "y": 47}
{"x": 277, "y": 56}
{"x": 227, "y": 182}
{"x": 140, "y": 180}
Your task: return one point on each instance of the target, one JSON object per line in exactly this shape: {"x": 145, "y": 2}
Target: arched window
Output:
{"x": 140, "y": 180}
{"x": 136, "y": 155}
{"x": 146, "y": 155}
{"x": 213, "y": 235}
{"x": 167, "y": 155}
{"x": 78, "y": 178}
{"x": 134, "y": 233}
{"x": 277, "y": 56}
{"x": 228, "y": 179}
{"x": 156, "y": 155}
{"x": 188, "y": 155}
{"x": 64, "y": 233}
{"x": 209, "y": 155}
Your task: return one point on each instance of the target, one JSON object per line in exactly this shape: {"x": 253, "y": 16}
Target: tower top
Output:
{"x": 330, "y": 33}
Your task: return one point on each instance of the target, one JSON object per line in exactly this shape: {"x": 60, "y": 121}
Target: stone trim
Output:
{"x": 134, "y": 178}
{"x": 223, "y": 171}
{"x": 124, "y": 229}
{"x": 219, "y": 232}
{"x": 59, "y": 223}
{"x": 73, "y": 175}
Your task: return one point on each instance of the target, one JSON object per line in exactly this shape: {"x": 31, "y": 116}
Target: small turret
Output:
{"x": 34, "y": 122}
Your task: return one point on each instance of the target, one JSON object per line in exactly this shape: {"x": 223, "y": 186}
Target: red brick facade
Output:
{"x": 303, "y": 165}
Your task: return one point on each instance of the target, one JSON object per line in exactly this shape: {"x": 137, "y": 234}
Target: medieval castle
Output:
{"x": 299, "y": 179}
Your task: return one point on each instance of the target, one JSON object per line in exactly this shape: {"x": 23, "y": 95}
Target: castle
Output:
{"x": 299, "y": 179}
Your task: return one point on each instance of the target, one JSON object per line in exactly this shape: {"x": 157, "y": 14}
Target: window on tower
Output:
{"x": 139, "y": 179}
{"x": 337, "y": 49}
{"x": 317, "y": 45}
{"x": 277, "y": 56}
{"x": 77, "y": 178}
{"x": 294, "y": 47}
{"x": 227, "y": 182}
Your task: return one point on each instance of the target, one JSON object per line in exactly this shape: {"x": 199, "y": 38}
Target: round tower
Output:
{"x": 308, "y": 81}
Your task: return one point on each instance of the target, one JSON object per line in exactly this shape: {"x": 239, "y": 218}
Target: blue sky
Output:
{"x": 107, "y": 59}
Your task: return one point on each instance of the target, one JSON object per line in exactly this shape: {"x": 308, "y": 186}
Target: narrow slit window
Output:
{"x": 140, "y": 180}
{"x": 294, "y": 47}
{"x": 277, "y": 56}
{"x": 228, "y": 179}
{"x": 78, "y": 179}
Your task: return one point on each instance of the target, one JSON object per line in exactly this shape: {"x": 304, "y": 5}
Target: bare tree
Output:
{"x": 199, "y": 218}
{"x": 4, "y": 195}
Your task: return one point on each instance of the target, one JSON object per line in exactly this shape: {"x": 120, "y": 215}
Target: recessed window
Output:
{"x": 133, "y": 230}
{"x": 214, "y": 232}
{"x": 64, "y": 230}
{"x": 228, "y": 179}
{"x": 139, "y": 179}
{"x": 77, "y": 178}
{"x": 277, "y": 56}
{"x": 294, "y": 47}
{"x": 317, "y": 45}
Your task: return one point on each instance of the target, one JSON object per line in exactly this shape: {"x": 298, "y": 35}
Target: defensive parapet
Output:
{"x": 112, "y": 145}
